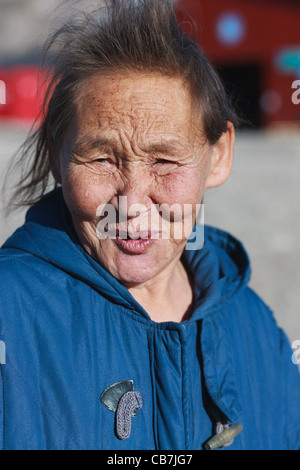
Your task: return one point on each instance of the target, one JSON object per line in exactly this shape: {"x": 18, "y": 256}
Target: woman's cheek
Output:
{"x": 84, "y": 192}
{"x": 181, "y": 188}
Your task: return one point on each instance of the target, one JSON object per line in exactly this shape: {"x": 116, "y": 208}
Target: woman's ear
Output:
{"x": 221, "y": 158}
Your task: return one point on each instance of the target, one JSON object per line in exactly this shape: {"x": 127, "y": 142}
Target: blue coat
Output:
{"x": 71, "y": 330}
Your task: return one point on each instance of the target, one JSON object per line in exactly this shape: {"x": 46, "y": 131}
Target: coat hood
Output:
{"x": 219, "y": 269}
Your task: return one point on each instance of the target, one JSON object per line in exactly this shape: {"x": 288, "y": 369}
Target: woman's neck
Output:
{"x": 168, "y": 296}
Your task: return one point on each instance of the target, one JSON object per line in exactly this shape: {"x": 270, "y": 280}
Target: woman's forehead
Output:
{"x": 144, "y": 103}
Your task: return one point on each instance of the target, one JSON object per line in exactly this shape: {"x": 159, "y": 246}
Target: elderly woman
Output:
{"x": 120, "y": 332}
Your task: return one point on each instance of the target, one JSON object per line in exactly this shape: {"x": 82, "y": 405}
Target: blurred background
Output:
{"x": 255, "y": 45}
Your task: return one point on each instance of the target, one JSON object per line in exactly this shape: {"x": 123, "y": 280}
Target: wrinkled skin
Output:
{"x": 137, "y": 135}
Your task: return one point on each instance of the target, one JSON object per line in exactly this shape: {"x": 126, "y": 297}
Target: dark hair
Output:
{"x": 142, "y": 35}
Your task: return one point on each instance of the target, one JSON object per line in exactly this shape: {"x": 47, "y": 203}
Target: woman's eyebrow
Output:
{"x": 110, "y": 144}
{"x": 166, "y": 147}
{"x": 91, "y": 143}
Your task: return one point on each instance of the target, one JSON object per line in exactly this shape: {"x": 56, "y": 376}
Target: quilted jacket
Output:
{"x": 86, "y": 368}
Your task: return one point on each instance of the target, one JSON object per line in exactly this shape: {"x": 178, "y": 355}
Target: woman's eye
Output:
{"x": 163, "y": 166}
{"x": 101, "y": 165}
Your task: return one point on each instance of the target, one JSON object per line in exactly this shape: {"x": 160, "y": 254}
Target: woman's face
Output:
{"x": 134, "y": 139}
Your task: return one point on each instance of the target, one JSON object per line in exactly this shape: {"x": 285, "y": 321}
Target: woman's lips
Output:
{"x": 137, "y": 246}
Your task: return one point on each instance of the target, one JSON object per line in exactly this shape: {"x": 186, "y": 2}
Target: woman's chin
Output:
{"x": 134, "y": 271}
{"x": 136, "y": 262}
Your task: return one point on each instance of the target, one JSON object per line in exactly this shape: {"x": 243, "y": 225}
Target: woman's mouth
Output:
{"x": 135, "y": 245}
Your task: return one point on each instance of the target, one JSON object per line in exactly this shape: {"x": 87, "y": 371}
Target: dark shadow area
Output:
{"x": 243, "y": 83}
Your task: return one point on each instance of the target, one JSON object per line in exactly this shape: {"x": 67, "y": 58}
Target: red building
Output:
{"x": 22, "y": 90}
{"x": 255, "y": 44}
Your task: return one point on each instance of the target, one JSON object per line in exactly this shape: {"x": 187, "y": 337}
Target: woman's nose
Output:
{"x": 135, "y": 193}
